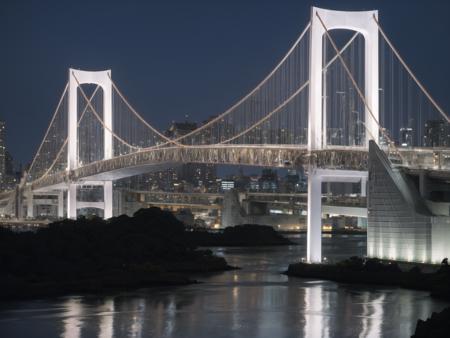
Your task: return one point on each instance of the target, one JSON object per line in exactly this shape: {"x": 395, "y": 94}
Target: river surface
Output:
{"x": 256, "y": 301}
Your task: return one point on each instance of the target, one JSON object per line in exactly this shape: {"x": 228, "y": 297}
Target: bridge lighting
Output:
{"x": 250, "y": 115}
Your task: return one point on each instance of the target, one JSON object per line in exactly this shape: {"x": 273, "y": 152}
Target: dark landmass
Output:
{"x": 438, "y": 326}
{"x": 356, "y": 270}
{"x": 239, "y": 235}
{"x": 92, "y": 255}
{"x": 331, "y": 232}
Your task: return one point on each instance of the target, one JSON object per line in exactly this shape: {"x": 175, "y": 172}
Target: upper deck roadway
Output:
{"x": 286, "y": 156}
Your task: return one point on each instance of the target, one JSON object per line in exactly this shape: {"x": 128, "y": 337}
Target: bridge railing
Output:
{"x": 426, "y": 158}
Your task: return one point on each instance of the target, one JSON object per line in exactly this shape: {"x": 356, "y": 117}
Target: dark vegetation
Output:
{"x": 92, "y": 255}
{"x": 239, "y": 235}
{"x": 438, "y": 326}
{"x": 374, "y": 271}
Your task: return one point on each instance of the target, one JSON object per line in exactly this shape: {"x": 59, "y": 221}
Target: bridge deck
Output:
{"x": 279, "y": 156}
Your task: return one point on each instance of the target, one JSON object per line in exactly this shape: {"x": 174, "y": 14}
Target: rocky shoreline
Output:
{"x": 356, "y": 270}
{"x": 239, "y": 235}
{"x": 437, "y": 326}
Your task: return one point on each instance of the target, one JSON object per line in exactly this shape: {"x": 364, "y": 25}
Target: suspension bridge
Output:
{"x": 319, "y": 107}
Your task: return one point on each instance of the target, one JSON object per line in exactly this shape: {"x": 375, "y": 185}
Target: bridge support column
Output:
{"x": 30, "y": 205}
{"x": 314, "y": 236}
{"x": 423, "y": 184}
{"x": 61, "y": 204}
{"x": 72, "y": 201}
{"x": 363, "y": 187}
{"x": 315, "y": 179}
{"x": 108, "y": 200}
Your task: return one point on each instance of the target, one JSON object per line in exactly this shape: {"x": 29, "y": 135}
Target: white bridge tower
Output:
{"x": 364, "y": 23}
{"x": 76, "y": 79}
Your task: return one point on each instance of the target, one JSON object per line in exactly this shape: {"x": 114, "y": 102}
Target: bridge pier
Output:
{"x": 61, "y": 204}
{"x": 363, "y": 187}
{"x": 107, "y": 199}
{"x": 314, "y": 221}
{"x": 30, "y": 205}
{"x": 73, "y": 205}
{"x": 72, "y": 201}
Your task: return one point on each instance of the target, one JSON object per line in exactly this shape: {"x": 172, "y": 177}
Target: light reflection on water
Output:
{"x": 72, "y": 321}
{"x": 256, "y": 301}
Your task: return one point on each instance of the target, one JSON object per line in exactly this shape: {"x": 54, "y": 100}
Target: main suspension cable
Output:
{"x": 99, "y": 118}
{"x": 229, "y": 110}
{"x": 167, "y": 139}
{"x": 67, "y": 138}
{"x": 49, "y": 126}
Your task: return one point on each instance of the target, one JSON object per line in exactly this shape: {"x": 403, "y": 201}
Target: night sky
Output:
{"x": 172, "y": 58}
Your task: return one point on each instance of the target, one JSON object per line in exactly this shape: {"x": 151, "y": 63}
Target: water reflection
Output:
{"x": 372, "y": 316}
{"x": 106, "y": 323}
{"x": 72, "y": 321}
{"x": 235, "y": 315}
{"x": 256, "y": 301}
{"x": 316, "y": 307}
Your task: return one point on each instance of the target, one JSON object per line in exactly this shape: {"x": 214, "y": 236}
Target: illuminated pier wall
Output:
{"x": 400, "y": 225}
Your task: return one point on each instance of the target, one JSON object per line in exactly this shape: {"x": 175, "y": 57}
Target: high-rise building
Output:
{"x": 436, "y": 134}
{"x": 8, "y": 177}
{"x": 2, "y": 151}
{"x": 406, "y": 137}
{"x": 268, "y": 181}
{"x": 294, "y": 181}
{"x": 178, "y": 129}
{"x": 197, "y": 175}
{"x": 9, "y": 165}
{"x": 227, "y": 185}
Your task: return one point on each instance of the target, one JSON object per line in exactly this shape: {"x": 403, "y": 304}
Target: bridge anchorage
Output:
{"x": 320, "y": 107}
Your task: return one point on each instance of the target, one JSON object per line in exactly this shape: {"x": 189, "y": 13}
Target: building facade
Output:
{"x": 436, "y": 134}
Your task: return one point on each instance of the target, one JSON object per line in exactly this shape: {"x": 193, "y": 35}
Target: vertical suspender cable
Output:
{"x": 441, "y": 111}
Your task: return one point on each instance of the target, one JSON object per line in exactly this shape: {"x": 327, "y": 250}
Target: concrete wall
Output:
{"x": 440, "y": 238}
{"x": 398, "y": 225}
{"x": 401, "y": 224}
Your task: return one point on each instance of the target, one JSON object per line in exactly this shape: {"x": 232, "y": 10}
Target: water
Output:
{"x": 256, "y": 301}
